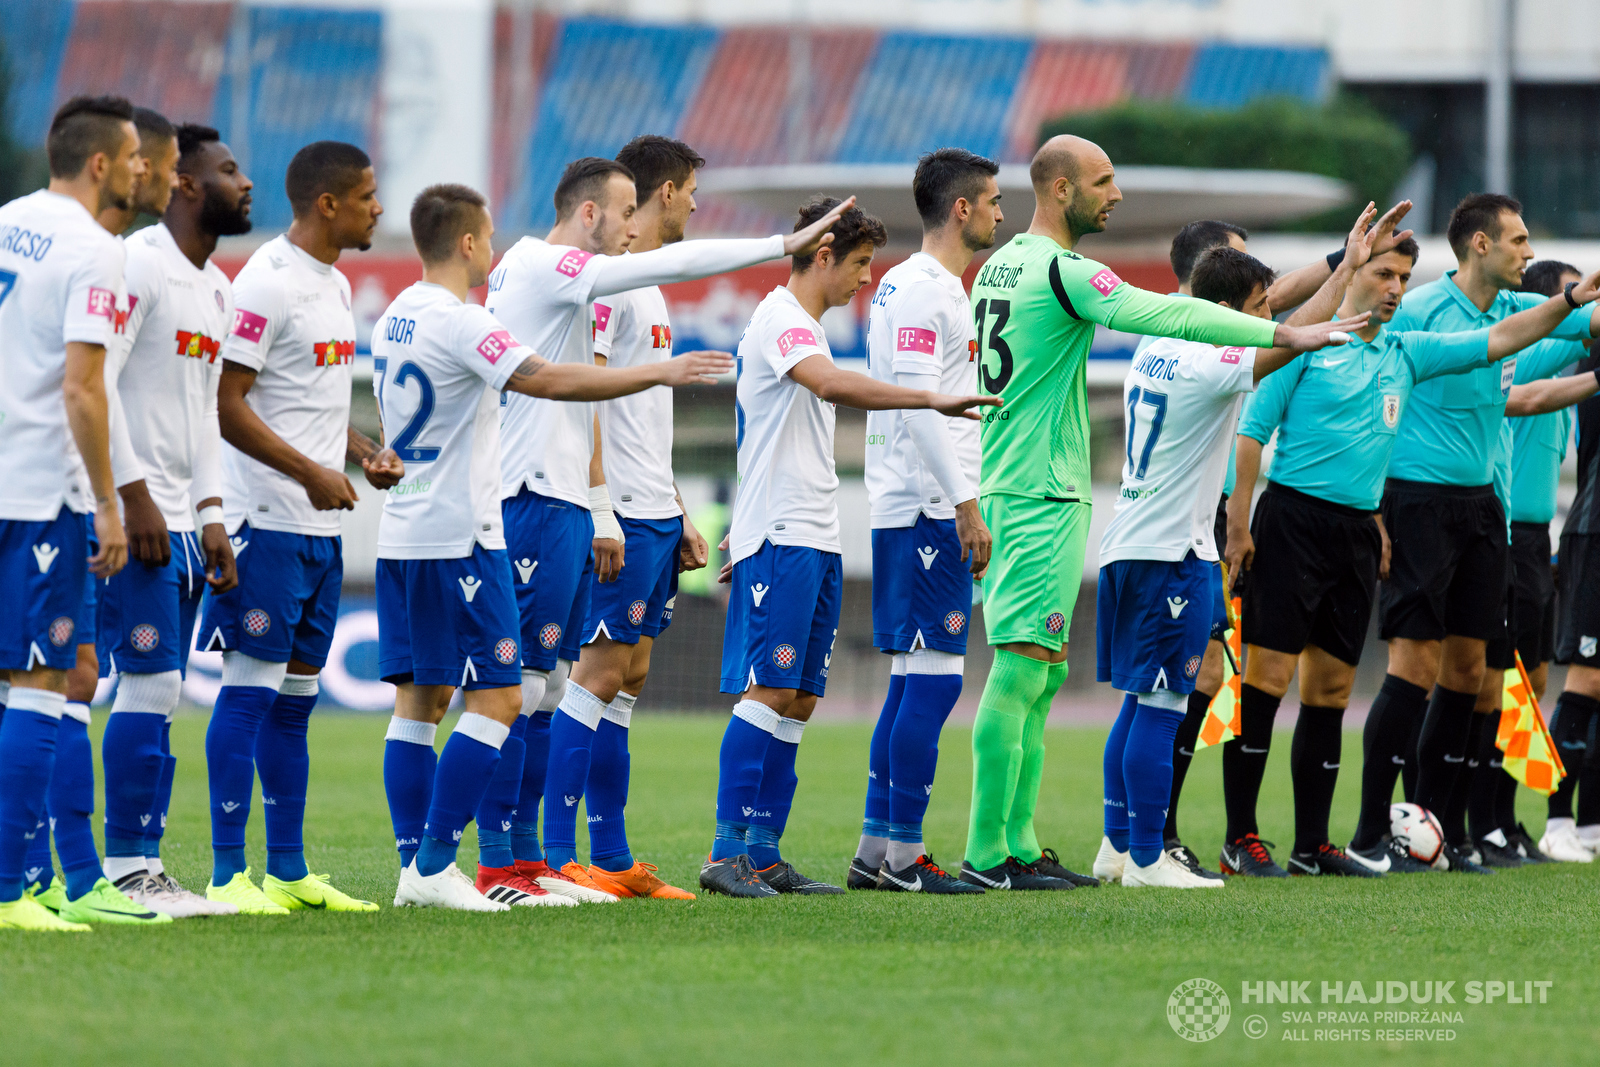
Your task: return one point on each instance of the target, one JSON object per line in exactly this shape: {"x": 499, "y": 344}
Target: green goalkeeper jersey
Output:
{"x": 1035, "y": 306}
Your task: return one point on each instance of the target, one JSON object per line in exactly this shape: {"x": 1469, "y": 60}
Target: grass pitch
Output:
{"x": 1046, "y": 978}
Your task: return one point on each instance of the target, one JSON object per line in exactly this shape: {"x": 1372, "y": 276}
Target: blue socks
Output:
{"x": 497, "y": 813}
{"x": 571, "y": 740}
{"x": 535, "y": 766}
{"x": 231, "y": 769}
{"x": 284, "y": 765}
{"x": 776, "y": 795}
{"x": 914, "y": 748}
{"x": 158, "y": 817}
{"x": 28, "y": 734}
{"x": 879, "y": 773}
{"x": 131, "y": 750}
{"x": 739, "y": 765}
{"x": 1116, "y": 791}
{"x": 607, "y": 794}
{"x": 1138, "y": 778}
{"x": 465, "y": 769}
{"x": 71, "y": 805}
{"x": 409, "y": 765}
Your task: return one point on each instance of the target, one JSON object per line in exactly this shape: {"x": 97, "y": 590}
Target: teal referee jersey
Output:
{"x": 1538, "y": 446}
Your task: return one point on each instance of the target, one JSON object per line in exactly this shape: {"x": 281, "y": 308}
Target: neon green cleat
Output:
{"x": 311, "y": 893}
{"x": 26, "y": 913}
{"x": 242, "y": 893}
{"x": 105, "y": 903}
{"x": 53, "y": 897}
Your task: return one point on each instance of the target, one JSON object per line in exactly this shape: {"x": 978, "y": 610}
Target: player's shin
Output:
{"x": 497, "y": 812}
{"x": 249, "y": 688}
{"x": 535, "y": 766}
{"x": 1314, "y": 770}
{"x": 1391, "y": 724}
{"x": 932, "y": 686}
{"x": 874, "y": 844}
{"x": 1115, "y": 799}
{"x": 1147, "y": 772}
{"x": 71, "y": 804}
{"x": 158, "y": 820}
{"x": 571, "y": 744}
{"x": 739, "y": 768}
{"x": 131, "y": 750}
{"x": 1021, "y": 841}
{"x": 606, "y": 798}
{"x": 284, "y": 764}
{"x": 1015, "y": 684}
{"x": 1244, "y": 760}
{"x": 1182, "y": 753}
{"x": 28, "y": 735}
{"x": 409, "y": 766}
{"x": 776, "y": 796}
{"x": 466, "y": 766}
{"x": 1442, "y": 746}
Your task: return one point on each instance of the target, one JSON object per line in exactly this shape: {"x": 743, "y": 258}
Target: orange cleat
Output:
{"x": 637, "y": 881}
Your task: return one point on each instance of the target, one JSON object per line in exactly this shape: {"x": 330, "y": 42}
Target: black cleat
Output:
{"x": 1330, "y": 859}
{"x": 1184, "y": 857}
{"x": 1452, "y": 858}
{"x": 783, "y": 878}
{"x": 861, "y": 876}
{"x": 1525, "y": 846}
{"x": 1491, "y": 854}
{"x": 1049, "y": 865}
{"x": 1249, "y": 856}
{"x": 733, "y": 877}
{"x": 1012, "y": 874}
{"x": 924, "y": 876}
{"x": 1388, "y": 856}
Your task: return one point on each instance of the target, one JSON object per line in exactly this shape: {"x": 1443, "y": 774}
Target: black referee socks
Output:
{"x": 1182, "y": 753}
{"x": 1483, "y": 758}
{"x": 1453, "y": 819}
{"x": 1442, "y": 746}
{"x": 1572, "y": 729}
{"x": 1314, "y": 766}
{"x": 1244, "y": 759}
{"x": 1391, "y": 729}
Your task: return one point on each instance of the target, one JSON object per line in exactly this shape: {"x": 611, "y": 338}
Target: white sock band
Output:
{"x": 42, "y": 701}
{"x": 1164, "y": 698}
{"x": 620, "y": 710}
{"x": 76, "y": 709}
{"x": 482, "y": 728}
{"x": 932, "y": 661}
{"x": 411, "y": 730}
{"x": 299, "y": 685}
{"x": 5, "y": 692}
{"x": 582, "y": 705}
{"x": 533, "y": 683}
{"x": 240, "y": 669}
{"x": 897, "y": 664}
{"x": 154, "y": 694}
{"x": 756, "y": 714}
{"x": 555, "y": 685}
{"x": 789, "y": 730}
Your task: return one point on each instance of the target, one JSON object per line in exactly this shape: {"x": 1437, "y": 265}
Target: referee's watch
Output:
{"x": 1567, "y": 292}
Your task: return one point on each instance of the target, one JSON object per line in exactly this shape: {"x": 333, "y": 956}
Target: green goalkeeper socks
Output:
{"x": 1015, "y": 685}
{"x": 1020, "y": 837}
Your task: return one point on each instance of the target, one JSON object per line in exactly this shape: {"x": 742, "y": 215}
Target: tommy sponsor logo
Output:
{"x": 257, "y": 622}
{"x": 550, "y": 635}
{"x": 784, "y": 656}
{"x": 119, "y": 320}
{"x": 1391, "y": 410}
{"x": 1176, "y": 604}
{"x": 102, "y": 303}
{"x": 525, "y": 568}
{"x": 788, "y": 339}
{"x": 334, "y": 353}
{"x": 1231, "y": 355}
{"x": 469, "y": 586}
{"x": 955, "y": 622}
{"x": 1191, "y": 668}
{"x": 44, "y": 554}
{"x": 1054, "y": 622}
{"x": 915, "y": 339}
{"x": 572, "y": 263}
{"x": 506, "y": 651}
{"x": 61, "y": 631}
{"x": 1106, "y": 282}
{"x": 197, "y": 346}
{"x": 660, "y": 336}
{"x": 636, "y": 612}
{"x": 248, "y": 325}
{"x": 972, "y": 351}
{"x": 496, "y": 345}
{"x": 928, "y": 554}
{"x": 144, "y": 637}
{"x": 758, "y": 591}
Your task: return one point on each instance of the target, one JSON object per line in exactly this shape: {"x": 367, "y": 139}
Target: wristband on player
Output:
{"x": 1567, "y": 292}
{"x": 211, "y": 515}
{"x": 1335, "y": 258}
{"x": 606, "y": 526}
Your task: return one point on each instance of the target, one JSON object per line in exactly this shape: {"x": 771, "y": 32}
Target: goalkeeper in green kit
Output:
{"x": 1035, "y": 306}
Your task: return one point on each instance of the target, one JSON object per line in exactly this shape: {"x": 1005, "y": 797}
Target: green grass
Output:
{"x": 1049, "y": 978}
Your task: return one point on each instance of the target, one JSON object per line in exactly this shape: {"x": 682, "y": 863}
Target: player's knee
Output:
{"x": 1585, "y": 681}
{"x": 84, "y": 678}
{"x": 248, "y": 671}
{"x": 555, "y": 686}
{"x": 801, "y": 707}
{"x": 149, "y": 693}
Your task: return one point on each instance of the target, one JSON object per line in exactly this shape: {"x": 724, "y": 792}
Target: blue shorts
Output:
{"x": 448, "y": 621}
{"x": 1152, "y": 620}
{"x": 147, "y": 613}
{"x": 287, "y": 600}
{"x": 783, "y": 617}
{"x": 43, "y": 570}
{"x": 921, "y": 591}
{"x": 639, "y": 603}
{"x": 549, "y": 542}
{"x": 1219, "y": 607}
{"x": 89, "y": 614}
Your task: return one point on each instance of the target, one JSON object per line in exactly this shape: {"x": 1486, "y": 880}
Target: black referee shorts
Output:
{"x": 1447, "y": 566}
{"x": 1533, "y": 612}
{"x": 1578, "y": 600}
{"x": 1500, "y": 653}
{"x": 1312, "y": 581}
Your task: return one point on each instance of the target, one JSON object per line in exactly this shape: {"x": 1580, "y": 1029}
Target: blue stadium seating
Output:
{"x": 1227, "y": 75}
{"x": 35, "y": 34}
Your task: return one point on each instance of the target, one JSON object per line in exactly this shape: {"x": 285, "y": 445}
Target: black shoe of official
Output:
{"x": 733, "y": 877}
{"x": 1330, "y": 859}
{"x": 860, "y": 876}
{"x": 782, "y": 877}
{"x": 924, "y": 876}
{"x": 1525, "y": 846}
{"x": 1248, "y": 856}
{"x": 1012, "y": 874}
{"x": 1184, "y": 857}
{"x": 1493, "y": 855}
{"x": 1049, "y": 864}
{"x": 1388, "y": 856}
{"x": 1452, "y": 858}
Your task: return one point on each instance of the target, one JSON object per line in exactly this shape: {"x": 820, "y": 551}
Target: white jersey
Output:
{"x": 632, "y": 329}
{"x": 293, "y": 326}
{"x": 787, "y": 484}
{"x": 542, "y": 292}
{"x": 1181, "y": 406}
{"x": 169, "y": 365}
{"x": 60, "y": 282}
{"x": 439, "y": 366}
{"x": 920, "y": 323}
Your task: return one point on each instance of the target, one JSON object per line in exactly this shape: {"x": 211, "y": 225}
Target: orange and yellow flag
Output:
{"x": 1530, "y": 753}
{"x": 1222, "y": 717}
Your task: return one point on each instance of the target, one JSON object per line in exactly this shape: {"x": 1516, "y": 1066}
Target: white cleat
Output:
{"x": 448, "y": 889}
{"x": 574, "y": 883}
{"x": 1109, "y": 864}
{"x": 1166, "y": 873}
{"x": 1589, "y": 837}
{"x": 1561, "y": 842}
{"x": 162, "y": 892}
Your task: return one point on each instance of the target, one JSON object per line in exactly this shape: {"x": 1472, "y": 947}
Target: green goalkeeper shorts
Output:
{"x": 1035, "y": 570}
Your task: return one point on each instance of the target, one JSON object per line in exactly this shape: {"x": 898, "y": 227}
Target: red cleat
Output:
{"x": 505, "y": 885}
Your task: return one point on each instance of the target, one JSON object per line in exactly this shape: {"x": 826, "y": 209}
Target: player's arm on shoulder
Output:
{"x": 1551, "y": 394}
{"x": 831, "y": 383}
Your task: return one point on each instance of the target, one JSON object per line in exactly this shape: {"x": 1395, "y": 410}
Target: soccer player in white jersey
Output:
{"x": 447, "y": 615}
{"x": 783, "y": 614}
{"x": 928, "y": 540}
{"x": 1152, "y": 620}
{"x": 558, "y": 511}
{"x": 60, "y": 283}
{"x": 284, "y": 408}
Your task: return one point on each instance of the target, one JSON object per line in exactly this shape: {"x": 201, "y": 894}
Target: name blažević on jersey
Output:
{"x": 630, "y": 330}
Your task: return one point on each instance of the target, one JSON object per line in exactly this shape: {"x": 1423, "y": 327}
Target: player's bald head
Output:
{"x": 1063, "y": 156}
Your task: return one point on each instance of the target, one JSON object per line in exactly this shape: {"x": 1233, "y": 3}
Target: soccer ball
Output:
{"x": 1417, "y": 829}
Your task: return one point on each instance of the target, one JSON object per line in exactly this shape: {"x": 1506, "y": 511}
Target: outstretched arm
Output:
{"x": 1518, "y": 331}
{"x": 836, "y": 386}
{"x": 1298, "y": 286}
{"x": 536, "y": 376}
{"x": 1551, "y": 394}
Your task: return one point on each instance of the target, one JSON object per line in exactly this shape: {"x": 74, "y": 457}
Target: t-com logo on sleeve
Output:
{"x": 248, "y": 325}
{"x": 1198, "y": 1010}
{"x": 915, "y": 339}
{"x": 572, "y": 263}
{"x": 496, "y": 345}
{"x": 102, "y": 303}
{"x": 1105, "y": 281}
{"x": 1231, "y": 355}
{"x": 788, "y": 339}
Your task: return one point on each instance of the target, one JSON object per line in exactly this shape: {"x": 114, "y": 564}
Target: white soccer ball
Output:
{"x": 1416, "y": 828}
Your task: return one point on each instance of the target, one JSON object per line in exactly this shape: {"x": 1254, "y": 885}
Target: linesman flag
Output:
{"x": 1530, "y": 754}
{"x": 1222, "y": 716}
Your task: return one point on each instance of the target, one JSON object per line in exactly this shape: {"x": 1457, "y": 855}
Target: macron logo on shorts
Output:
{"x": 248, "y": 325}
{"x": 1231, "y": 355}
{"x": 496, "y": 345}
{"x": 915, "y": 339}
{"x": 1105, "y": 281}
{"x": 572, "y": 263}
{"x": 788, "y": 339}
